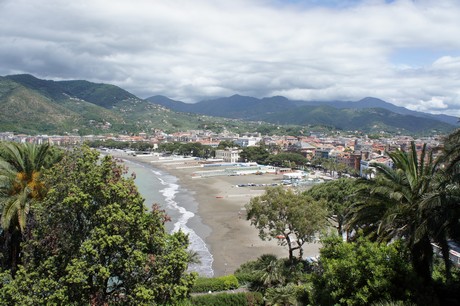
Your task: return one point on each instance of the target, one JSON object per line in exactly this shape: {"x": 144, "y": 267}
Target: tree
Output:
{"x": 272, "y": 273}
{"x": 21, "y": 184}
{"x": 169, "y": 147}
{"x": 442, "y": 202}
{"x": 362, "y": 273}
{"x": 287, "y": 160}
{"x": 451, "y": 155}
{"x": 94, "y": 242}
{"x": 282, "y": 296}
{"x": 293, "y": 219}
{"x": 224, "y": 144}
{"x": 339, "y": 195}
{"x": 254, "y": 154}
{"x": 392, "y": 204}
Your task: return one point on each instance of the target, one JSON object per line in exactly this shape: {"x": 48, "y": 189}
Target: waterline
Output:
{"x": 159, "y": 187}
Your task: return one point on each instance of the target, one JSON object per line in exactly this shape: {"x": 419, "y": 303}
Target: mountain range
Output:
{"x": 32, "y": 105}
{"x": 366, "y": 114}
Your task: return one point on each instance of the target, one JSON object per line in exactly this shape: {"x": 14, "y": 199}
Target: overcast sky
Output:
{"x": 405, "y": 52}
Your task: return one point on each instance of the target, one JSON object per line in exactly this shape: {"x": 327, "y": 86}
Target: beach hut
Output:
{"x": 293, "y": 176}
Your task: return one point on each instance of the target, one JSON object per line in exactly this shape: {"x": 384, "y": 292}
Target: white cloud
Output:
{"x": 435, "y": 103}
{"x": 190, "y": 50}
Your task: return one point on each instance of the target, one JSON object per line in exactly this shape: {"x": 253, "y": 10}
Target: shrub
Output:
{"x": 204, "y": 284}
{"x": 225, "y": 299}
{"x": 250, "y": 272}
{"x": 362, "y": 273}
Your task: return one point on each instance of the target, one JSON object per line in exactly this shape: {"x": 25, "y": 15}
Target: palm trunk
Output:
{"x": 422, "y": 255}
{"x": 445, "y": 256}
{"x": 15, "y": 251}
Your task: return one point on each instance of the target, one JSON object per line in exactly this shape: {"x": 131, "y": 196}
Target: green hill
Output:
{"x": 31, "y": 111}
{"x": 34, "y": 106}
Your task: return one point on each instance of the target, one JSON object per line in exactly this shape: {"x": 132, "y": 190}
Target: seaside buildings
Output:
{"x": 229, "y": 155}
{"x": 352, "y": 152}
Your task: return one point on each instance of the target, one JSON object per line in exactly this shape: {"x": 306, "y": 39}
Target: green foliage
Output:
{"x": 393, "y": 206}
{"x": 194, "y": 149}
{"x": 293, "y": 219}
{"x": 256, "y": 154}
{"x": 339, "y": 195}
{"x": 227, "y": 144}
{"x": 206, "y": 284}
{"x": 269, "y": 272}
{"x": 363, "y": 272}
{"x": 113, "y": 144}
{"x": 291, "y": 160}
{"x": 251, "y": 271}
{"x": 225, "y": 299}
{"x": 21, "y": 185}
{"x": 92, "y": 240}
{"x": 287, "y": 295}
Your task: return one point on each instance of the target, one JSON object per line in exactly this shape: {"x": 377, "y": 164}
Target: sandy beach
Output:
{"x": 232, "y": 241}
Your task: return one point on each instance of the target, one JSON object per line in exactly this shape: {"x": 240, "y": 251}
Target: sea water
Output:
{"x": 159, "y": 187}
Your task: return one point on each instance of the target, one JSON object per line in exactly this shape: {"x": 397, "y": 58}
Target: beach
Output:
{"x": 232, "y": 241}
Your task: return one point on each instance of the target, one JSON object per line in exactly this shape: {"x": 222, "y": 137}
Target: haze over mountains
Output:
{"x": 34, "y": 105}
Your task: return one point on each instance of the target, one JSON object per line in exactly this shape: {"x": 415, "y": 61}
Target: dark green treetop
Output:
{"x": 92, "y": 241}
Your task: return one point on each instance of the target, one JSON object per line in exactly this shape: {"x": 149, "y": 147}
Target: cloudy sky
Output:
{"x": 406, "y": 52}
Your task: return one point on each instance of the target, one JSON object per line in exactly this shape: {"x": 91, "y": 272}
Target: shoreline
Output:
{"x": 232, "y": 240}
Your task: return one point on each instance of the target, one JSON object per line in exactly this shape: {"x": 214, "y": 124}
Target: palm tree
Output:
{"x": 393, "y": 207}
{"x": 281, "y": 296}
{"x": 193, "y": 257}
{"x": 443, "y": 202}
{"x": 272, "y": 273}
{"x": 451, "y": 155}
{"x": 20, "y": 185}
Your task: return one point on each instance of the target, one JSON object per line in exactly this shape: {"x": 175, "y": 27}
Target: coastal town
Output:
{"x": 351, "y": 152}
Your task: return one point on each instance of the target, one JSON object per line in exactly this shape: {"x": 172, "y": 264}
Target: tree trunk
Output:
{"x": 15, "y": 251}
{"x": 422, "y": 254}
{"x": 445, "y": 256}
{"x": 300, "y": 251}
{"x": 291, "y": 250}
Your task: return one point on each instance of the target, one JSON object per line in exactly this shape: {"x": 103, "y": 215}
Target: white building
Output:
{"x": 247, "y": 141}
{"x": 228, "y": 155}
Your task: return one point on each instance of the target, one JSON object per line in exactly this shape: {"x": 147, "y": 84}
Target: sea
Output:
{"x": 159, "y": 187}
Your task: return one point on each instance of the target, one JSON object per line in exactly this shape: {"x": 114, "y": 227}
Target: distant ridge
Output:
{"x": 370, "y": 102}
{"x": 171, "y": 104}
{"x": 366, "y": 114}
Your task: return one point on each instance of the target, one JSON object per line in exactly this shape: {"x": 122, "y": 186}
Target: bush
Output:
{"x": 247, "y": 277}
{"x": 364, "y": 272}
{"x": 250, "y": 272}
{"x": 225, "y": 299}
{"x": 204, "y": 284}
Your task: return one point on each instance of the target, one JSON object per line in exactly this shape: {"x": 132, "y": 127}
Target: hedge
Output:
{"x": 222, "y": 283}
{"x": 226, "y": 299}
{"x": 247, "y": 277}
